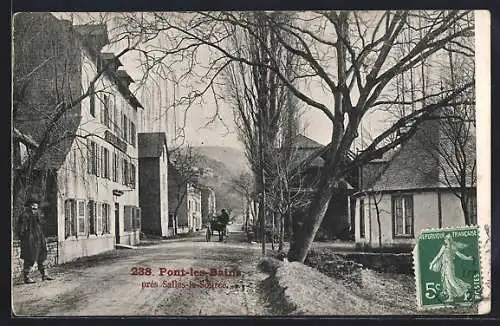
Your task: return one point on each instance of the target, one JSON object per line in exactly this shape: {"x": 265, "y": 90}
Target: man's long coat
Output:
{"x": 33, "y": 243}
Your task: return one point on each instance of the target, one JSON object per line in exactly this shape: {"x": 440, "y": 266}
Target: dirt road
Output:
{"x": 106, "y": 286}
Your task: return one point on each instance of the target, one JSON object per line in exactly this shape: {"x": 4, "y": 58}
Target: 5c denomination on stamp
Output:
{"x": 447, "y": 267}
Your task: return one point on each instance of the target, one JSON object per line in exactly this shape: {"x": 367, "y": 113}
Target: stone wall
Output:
{"x": 17, "y": 262}
{"x": 401, "y": 263}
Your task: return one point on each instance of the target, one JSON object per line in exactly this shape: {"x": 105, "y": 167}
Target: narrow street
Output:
{"x": 107, "y": 287}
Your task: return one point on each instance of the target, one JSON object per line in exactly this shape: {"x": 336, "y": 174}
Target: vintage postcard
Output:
{"x": 257, "y": 163}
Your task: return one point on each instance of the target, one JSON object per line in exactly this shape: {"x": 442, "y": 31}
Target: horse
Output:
{"x": 217, "y": 226}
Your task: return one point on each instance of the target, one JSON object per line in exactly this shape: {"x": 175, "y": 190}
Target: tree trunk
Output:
{"x": 290, "y": 226}
{"x": 465, "y": 208}
{"x": 272, "y": 232}
{"x": 282, "y": 231}
{"x": 309, "y": 225}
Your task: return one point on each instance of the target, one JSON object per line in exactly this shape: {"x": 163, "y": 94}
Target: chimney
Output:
{"x": 109, "y": 60}
{"x": 124, "y": 77}
{"x": 95, "y": 36}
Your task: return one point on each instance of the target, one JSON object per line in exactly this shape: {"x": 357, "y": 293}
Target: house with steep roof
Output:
{"x": 86, "y": 160}
{"x": 337, "y": 220}
{"x": 408, "y": 190}
{"x": 153, "y": 184}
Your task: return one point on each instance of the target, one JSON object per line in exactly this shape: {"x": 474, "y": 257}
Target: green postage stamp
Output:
{"x": 448, "y": 267}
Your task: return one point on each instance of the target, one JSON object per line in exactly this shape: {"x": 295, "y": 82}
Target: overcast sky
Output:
{"x": 220, "y": 132}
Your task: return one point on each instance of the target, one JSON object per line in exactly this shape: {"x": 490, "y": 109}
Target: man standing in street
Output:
{"x": 33, "y": 243}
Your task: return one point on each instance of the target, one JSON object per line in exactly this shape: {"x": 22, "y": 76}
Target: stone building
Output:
{"x": 153, "y": 184}
{"x": 75, "y": 102}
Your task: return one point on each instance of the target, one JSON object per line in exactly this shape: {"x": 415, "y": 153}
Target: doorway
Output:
{"x": 117, "y": 222}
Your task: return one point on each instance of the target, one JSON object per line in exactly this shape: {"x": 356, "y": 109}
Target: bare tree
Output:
{"x": 244, "y": 184}
{"x": 352, "y": 56}
{"x": 184, "y": 171}
{"x": 48, "y": 92}
{"x": 259, "y": 100}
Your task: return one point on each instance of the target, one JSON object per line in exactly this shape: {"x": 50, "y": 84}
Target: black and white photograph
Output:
{"x": 250, "y": 163}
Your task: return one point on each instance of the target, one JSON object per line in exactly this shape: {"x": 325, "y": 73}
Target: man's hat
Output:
{"x": 31, "y": 201}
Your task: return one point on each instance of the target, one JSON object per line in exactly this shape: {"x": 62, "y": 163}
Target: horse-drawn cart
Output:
{"x": 215, "y": 225}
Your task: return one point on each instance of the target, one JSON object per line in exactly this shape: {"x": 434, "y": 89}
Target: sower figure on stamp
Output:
{"x": 33, "y": 243}
{"x": 452, "y": 286}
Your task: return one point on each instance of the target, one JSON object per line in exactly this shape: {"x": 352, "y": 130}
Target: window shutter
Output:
{"x": 132, "y": 133}
{"x": 98, "y": 228}
{"x": 74, "y": 218}
{"x": 117, "y": 121}
{"x": 132, "y": 218}
{"x": 89, "y": 156}
{"x": 98, "y": 167}
{"x": 67, "y": 218}
{"x": 408, "y": 214}
{"x": 108, "y": 218}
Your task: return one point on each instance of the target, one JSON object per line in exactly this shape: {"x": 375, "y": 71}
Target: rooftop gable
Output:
{"x": 152, "y": 144}
{"x": 416, "y": 166}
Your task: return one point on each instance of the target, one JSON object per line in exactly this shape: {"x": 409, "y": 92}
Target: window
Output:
{"x": 106, "y": 226}
{"x": 105, "y": 163}
{"x": 117, "y": 121}
{"x": 125, "y": 127}
{"x": 402, "y": 215}
{"x": 125, "y": 172}
{"x": 81, "y": 217}
{"x": 105, "y": 112}
{"x": 128, "y": 218}
{"x": 92, "y": 158}
{"x": 132, "y": 133}
{"x": 135, "y": 218}
{"x": 91, "y": 216}
{"x": 70, "y": 219}
{"x": 132, "y": 176}
{"x": 115, "y": 167}
{"x": 92, "y": 100}
{"x": 361, "y": 218}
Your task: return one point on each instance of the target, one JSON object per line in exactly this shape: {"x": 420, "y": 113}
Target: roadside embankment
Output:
{"x": 296, "y": 289}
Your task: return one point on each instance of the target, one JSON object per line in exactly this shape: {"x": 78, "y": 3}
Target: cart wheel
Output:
{"x": 208, "y": 235}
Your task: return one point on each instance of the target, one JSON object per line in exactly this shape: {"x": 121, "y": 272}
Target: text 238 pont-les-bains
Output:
{"x": 163, "y": 271}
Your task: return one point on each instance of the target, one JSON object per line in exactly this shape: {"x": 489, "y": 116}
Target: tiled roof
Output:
{"x": 30, "y": 122}
{"x": 150, "y": 144}
{"x": 302, "y": 141}
{"x": 414, "y": 166}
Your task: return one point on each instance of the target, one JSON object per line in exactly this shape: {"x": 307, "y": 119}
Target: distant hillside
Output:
{"x": 226, "y": 163}
{"x": 232, "y": 158}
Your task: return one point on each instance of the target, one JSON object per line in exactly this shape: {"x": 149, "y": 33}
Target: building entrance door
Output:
{"x": 117, "y": 222}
